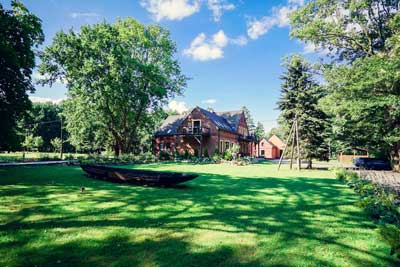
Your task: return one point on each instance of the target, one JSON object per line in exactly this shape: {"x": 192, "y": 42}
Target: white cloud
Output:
{"x": 204, "y": 49}
{"x": 240, "y": 40}
{"x": 37, "y": 99}
{"x": 171, "y": 9}
{"x": 76, "y": 15}
{"x": 217, "y": 7}
{"x": 256, "y": 28}
{"x": 178, "y": 106}
{"x": 210, "y": 101}
{"x": 279, "y": 18}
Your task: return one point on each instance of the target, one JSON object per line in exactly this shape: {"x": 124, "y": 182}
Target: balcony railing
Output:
{"x": 248, "y": 138}
{"x": 195, "y": 131}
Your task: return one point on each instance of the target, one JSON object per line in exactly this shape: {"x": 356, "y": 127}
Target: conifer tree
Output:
{"x": 300, "y": 94}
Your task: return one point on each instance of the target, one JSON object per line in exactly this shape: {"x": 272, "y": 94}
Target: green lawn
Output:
{"x": 33, "y": 156}
{"x": 229, "y": 216}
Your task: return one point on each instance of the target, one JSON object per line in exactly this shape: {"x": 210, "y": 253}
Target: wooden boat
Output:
{"x": 139, "y": 177}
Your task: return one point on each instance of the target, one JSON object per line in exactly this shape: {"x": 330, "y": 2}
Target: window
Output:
{"x": 262, "y": 143}
{"x": 196, "y": 125}
{"x": 226, "y": 145}
{"x": 262, "y": 152}
{"x": 161, "y": 146}
{"x": 221, "y": 146}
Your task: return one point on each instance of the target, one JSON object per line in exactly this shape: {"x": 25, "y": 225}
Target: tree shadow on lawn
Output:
{"x": 291, "y": 220}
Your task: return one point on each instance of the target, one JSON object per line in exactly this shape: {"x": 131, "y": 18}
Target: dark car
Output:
{"x": 372, "y": 164}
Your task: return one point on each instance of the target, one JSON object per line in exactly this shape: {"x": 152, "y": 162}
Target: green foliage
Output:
{"x": 363, "y": 99}
{"x": 391, "y": 234}
{"x": 164, "y": 155}
{"x": 186, "y": 155}
{"x": 44, "y": 120}
{"x": 20, "y": 33}
{"x": 196, "y": 153}
{"x": 380, "y": 205}
{"x": 118, "y": 75}
{"x": 348, "y": 28}
{"x": 249, "y": 119}
{"x": 228, "y": 154}
{"x": 259, "y": 132}
{"x": 206, "y": 155}
{"x": 299, "y": 96}
{"x": 57, "y": 144}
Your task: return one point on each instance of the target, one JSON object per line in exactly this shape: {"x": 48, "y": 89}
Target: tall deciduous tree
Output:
{"x": 299, "y": 96}
{"x": 115, "y": 74}
{"x": 364, "y": 99}
{"x": 349, "y": 28}
{"x": 20, "y": 33}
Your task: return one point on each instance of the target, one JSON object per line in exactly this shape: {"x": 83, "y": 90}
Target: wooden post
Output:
{"x": 284, "y": 150}
{"x": 298, "y": 144}
{"x": 292, "y": 152}
{"x": 62, "y": 140}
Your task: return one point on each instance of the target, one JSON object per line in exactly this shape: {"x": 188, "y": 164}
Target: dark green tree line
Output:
{"x": 300, "y": 94}
{"x": 20, "y": 33}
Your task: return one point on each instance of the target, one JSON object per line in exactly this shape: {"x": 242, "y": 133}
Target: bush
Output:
{"x": 196, "y": 153}
{"x": 228, "y": 154}
{"x": 391, "y": 234}
{"x": 164, "y": 155}
{"x": 206, "y": 155}
{"x": 186, "y": 155}
{"x": 379, "y": 204}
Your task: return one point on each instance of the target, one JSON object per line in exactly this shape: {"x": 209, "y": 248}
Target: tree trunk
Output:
{"x": 396, "y": 157}
{"x": 309, "y": 164}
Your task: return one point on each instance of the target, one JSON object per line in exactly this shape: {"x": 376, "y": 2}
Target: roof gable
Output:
{"x": 233, "y": 117}
{"x": 276, "y": 141}
{"x": 170, "y": 125}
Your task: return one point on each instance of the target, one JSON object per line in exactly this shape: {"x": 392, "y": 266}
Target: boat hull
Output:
{"x": 138, "y": 177}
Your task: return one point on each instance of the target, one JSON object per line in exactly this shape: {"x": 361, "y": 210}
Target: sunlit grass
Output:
{"x": 228, "y": 216}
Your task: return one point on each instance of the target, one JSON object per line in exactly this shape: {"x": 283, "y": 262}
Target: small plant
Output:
{"x": 390, "y": 233}
{"x": 196, "y": 153}
{"x": 228, "y": 154}
{"x": 206, "y": 155}
{"x": 186, "y": 155}
{"x": 164, "y": 155}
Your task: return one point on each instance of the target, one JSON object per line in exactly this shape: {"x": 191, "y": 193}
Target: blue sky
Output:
{"x": 231, "y": 49}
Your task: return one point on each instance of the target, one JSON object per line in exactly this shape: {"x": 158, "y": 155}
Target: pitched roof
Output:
{"x": 219, "y": 121}
{"x": 170, "y": 125}
{"x": 276, "y": 141}
{"x": 233, "y": 117}
{"x": 227, "y": 121}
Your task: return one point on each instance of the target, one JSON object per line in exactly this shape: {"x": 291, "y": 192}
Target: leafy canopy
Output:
{"x": 20, "y": 33}
{"x": 348, "y": 28}
{"x": 117, "y": 75}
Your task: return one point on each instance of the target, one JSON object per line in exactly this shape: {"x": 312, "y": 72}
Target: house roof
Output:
{"x": 276, "y": 141}
{"x": 219, "y": 121}
{"x": 170, "y": 125}
{"x": 233, "y": 117}
{"x": 227, "y": 121}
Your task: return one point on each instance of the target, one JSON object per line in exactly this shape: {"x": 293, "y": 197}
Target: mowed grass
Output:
{"x": 228, "y": 216}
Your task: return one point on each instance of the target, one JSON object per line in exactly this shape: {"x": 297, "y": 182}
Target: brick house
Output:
{"x": 271, "y": 148}
{"x": 204, "y": 132}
